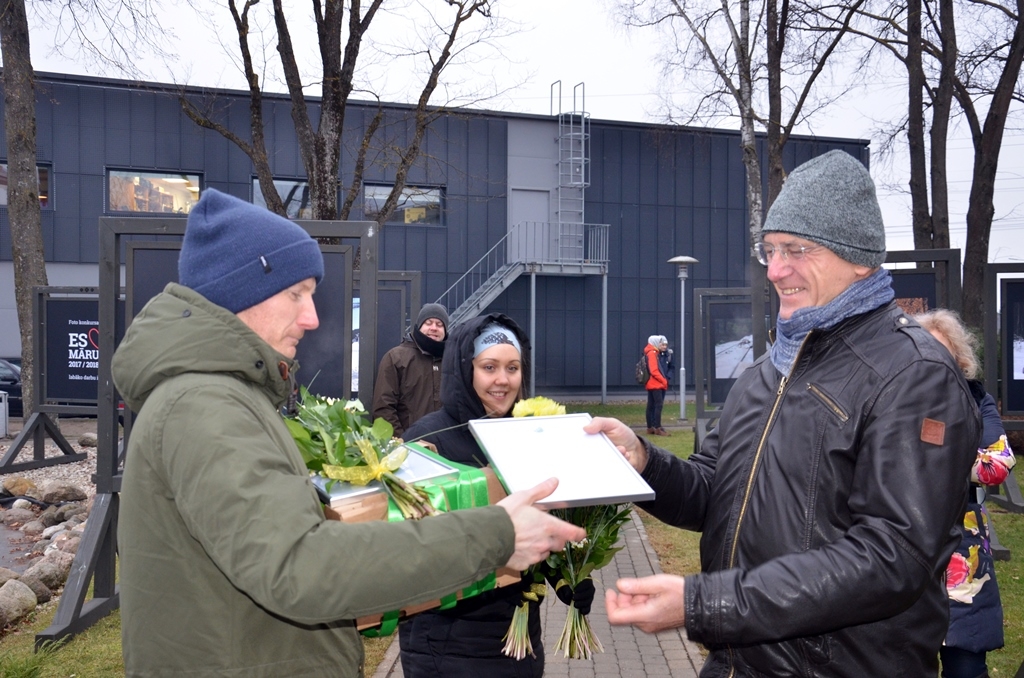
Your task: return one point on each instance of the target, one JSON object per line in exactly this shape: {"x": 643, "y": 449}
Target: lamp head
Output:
{"x": 682, "y": 261}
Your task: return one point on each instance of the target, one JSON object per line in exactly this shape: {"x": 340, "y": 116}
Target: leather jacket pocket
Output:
{"x": 817, "y": 649}
{"x": 829, "y": 402}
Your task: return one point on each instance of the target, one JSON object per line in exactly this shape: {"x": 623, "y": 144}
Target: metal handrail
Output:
{"x": 531, "y": 242}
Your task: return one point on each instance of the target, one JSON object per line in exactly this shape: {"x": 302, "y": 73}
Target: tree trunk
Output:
{"x": 23, "y": 181}
{"x": 942, "y": 102}
{"x": 920, "y": 215}
{"x": 775, "y": 141}
{"x": 752, "y": 164}
{"x": 986, "y": 161}
{"x": 321, "y": 149}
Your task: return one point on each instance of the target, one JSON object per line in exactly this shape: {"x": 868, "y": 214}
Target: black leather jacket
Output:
{"x": 824, "y": 502}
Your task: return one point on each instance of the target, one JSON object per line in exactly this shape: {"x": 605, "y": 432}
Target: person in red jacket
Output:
{"x": 659, "y": 364}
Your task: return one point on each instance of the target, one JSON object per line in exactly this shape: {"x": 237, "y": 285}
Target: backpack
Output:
{"x": 643, "y": 373}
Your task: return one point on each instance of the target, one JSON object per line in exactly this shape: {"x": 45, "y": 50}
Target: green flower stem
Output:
{"x": 517, "y": 639}
{"x": 413, "y": 502}
{"x": 578, "y": 640}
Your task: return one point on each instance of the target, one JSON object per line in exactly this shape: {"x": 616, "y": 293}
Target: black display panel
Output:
{"x": 730, "y": 342}
{"x": 915, "y": 290}
{"x": 71, "y": 349}
{"x": 1013, "y": 346}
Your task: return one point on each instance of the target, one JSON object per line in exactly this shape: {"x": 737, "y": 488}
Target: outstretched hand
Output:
{"x": 651, "y": 604}
{"x": 537, "y": 533}
{"x": 623, "y": 438}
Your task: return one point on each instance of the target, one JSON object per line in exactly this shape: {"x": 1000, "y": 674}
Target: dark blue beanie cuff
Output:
{"x": 237, "y": 254}
{"x": 253, "y": 283}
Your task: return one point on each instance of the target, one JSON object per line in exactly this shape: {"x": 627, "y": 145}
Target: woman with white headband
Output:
{"x": 483, "y": 375}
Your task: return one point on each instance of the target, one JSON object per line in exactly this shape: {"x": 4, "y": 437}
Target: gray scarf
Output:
{"x": 860, "y": 297}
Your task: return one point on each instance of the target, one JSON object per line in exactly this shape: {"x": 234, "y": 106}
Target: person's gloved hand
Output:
{"x": 583, "y": 596}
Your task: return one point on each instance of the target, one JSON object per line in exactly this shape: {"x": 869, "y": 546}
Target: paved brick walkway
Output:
{"x": 629, "y": 652}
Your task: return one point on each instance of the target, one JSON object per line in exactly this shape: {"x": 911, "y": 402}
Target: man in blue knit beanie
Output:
{"x": 228, "y": 565}
{"x": 827, "y": 494}
{"x": 244, "y": 258}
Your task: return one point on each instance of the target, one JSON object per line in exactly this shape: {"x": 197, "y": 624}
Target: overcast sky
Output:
{"x": 577, "y": 41}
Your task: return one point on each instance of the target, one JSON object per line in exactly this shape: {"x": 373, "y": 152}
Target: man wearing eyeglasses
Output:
{"x": 822, "y": 495}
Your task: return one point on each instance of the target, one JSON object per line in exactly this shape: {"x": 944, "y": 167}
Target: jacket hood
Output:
{"x": 458, "y": 397}
{"x": 180, "y": 331}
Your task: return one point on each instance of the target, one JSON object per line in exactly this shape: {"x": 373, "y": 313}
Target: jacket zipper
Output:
{"x": 753, "y": 472}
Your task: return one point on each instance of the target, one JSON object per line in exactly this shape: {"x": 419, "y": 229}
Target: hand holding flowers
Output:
{"x": 570, "y": 569}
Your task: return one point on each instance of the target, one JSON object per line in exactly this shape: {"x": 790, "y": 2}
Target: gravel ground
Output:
{"x": 78, "y": 473}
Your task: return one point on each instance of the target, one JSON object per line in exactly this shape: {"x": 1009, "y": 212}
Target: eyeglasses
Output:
{"x": 764, "y": 252}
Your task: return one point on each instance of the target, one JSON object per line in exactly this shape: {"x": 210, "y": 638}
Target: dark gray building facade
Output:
{"x": 118, "y": 148}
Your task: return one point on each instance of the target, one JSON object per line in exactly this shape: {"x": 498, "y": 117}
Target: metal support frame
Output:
{"x": 949, "y": 296}
{"x": 707, "y": 415}
{"x": 414, "y": 280}
{"x": 533, "y": 332}
{"x": 1009, "y": 494}
{"x": 604, "y": 337}
{"x": 95, "y": 560}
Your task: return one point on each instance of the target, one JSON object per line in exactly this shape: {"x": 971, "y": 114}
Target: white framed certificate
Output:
{"x": 525, "y": 451}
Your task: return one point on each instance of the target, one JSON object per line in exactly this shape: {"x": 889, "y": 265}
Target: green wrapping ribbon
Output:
{"x": 467, "y": 490}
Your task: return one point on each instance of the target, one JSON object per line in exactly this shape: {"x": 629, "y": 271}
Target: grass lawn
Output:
{"x": 97, "y": 652}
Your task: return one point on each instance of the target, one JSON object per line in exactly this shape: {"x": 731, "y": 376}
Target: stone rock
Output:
{"x": 22, "y": 504}
{"x": 19, "y": 486}
{"x": 52, "y": 569}
{"x": 88, "y": 440}
{"x": 77, "y": 527}
{"x": 56, "y": 492}
{"x": 50, "y": 517}
{"x": 71, "y": 510}
{"x": 16, "y": 601}
{"x": 18, "y": 516}
{"x": 34, "y": 493}
{"x": 69, "y": 545}
{"x": 6, "y": 574}
{"x": 43, "y": 594}
{"x": 49, "y": 532}
{"x": 39, "y": 548}
{"x": 33, "y": 528}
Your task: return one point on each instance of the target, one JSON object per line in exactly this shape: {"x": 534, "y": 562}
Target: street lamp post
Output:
{"x": 682, "y": 261}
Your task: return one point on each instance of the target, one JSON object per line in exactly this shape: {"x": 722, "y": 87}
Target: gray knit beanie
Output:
{"x": 432, "y": 311}
{"x": 831, "y": 200}
{"x": 237, "y": 254}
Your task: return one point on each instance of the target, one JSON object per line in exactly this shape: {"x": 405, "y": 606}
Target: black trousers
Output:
{"x": 655, "y": 403}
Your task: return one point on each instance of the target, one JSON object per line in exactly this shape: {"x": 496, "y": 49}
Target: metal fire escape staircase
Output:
{"x": 568, "y": 247}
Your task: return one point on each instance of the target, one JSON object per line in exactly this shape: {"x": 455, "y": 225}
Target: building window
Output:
{"x": 165, "y": 192}
{"x": 417, "y": 205}
{"x": 294, "y": 194}
{"x": 42, "y": 173}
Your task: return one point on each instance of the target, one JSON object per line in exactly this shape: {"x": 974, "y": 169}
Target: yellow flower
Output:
{"x": 537, "y": 407}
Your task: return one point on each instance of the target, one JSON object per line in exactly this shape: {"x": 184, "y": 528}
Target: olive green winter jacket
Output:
{"x": 228, "y": 567}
